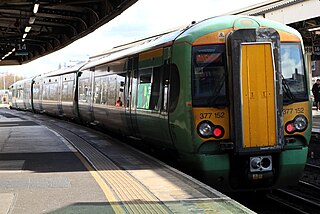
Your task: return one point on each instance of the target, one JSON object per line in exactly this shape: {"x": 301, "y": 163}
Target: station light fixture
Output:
{"x": 27, "y": 29}
{"x": 36, "y": 7}
{"x": 32, "y": 19}
{"x": 314, "y": 29}
{"x": 22, "y": 40}
{"x": 24, "y": 36}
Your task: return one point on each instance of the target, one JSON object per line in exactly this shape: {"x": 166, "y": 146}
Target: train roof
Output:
{"x": 233, "y": 21}
{"x": 184, "y": 33}
{"x": 189, "y": 33}
{"x": 164, "y": 39}
{"x": 21, "y": 82}
{"x": 65, "y": 70}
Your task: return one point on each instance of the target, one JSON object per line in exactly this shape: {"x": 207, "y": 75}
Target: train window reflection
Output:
{"x": 209, "y": 76}
{"x": 144, "y": 89}
{"x": 84, "y": 90}
{"x": 112, "y": 86}
{"x": 293, "y": 72}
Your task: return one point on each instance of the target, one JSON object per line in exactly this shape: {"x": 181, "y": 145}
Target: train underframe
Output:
{"x": 231, "y": 172}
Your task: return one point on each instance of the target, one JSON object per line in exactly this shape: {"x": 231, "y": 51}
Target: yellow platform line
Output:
{"x": 106, "y": 190}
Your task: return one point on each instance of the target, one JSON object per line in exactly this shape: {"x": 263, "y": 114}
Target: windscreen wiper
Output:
{"x": 287, "y": 90}
{"x": 217, "y": 89}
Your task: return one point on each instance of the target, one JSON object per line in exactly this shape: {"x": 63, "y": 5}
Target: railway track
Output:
{"x": 312, "y": 174}
{"x": 312, "y": 167}
{"x": 303, "y": 198}
{"x": 294, "y": 201}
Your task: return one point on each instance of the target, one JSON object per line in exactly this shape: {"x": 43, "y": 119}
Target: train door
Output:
{"x": 27, "y": 94}
{"x": 130, "y": 97}
{"x": 37, "y": 94}
{"x": 85, "y": 96}
{"x": 164, "y": 97}
{"x": 60, "y": 93}
{"x": 256, "y": 96}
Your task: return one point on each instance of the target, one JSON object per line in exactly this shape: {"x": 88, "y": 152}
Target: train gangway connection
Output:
{"x": 49, "y": 165}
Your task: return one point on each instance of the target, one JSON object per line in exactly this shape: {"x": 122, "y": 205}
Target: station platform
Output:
{"x": 49, "y": 165}
{"x": 316, "y": 121}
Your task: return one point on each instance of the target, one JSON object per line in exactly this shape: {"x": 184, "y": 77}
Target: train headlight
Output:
{"x": 205, "y": 129}
{"x": 300, "y": 123}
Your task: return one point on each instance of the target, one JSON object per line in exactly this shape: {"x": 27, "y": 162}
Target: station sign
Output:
{"x": 21, "y": 49}
{"x": 316, "y": 49}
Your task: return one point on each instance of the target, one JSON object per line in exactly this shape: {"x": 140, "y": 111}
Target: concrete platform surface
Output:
{"x": 41, "y": 172}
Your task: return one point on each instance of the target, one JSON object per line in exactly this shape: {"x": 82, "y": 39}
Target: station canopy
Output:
{"x": 30, "y": 29}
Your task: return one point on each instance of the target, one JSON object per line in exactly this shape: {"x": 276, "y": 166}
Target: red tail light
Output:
{"x": 290, "y": 128}
{"x": 218, "y": 132}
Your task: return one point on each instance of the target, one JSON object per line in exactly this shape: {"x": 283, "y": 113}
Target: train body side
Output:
{"x": 116, "y": 96}
{"x": 190, "y": 91}
{"x": 21, "y": 94}
{"x": 55, "y": 93}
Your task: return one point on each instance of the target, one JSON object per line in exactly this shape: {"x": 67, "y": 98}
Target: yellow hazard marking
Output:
{"x": 105, "y": 188}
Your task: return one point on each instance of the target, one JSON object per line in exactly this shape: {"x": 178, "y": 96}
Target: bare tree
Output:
{"x": 8, "y": 79}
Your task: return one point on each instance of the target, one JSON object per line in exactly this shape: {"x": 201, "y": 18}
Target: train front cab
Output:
{"x": 251, "y": 109}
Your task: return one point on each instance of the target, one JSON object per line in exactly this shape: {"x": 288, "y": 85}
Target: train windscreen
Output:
{"x": 293, "y": 73}
{"x": 209, "y": 76}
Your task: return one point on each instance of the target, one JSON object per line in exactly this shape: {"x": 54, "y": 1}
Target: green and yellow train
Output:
{"x": 230, "y": 95}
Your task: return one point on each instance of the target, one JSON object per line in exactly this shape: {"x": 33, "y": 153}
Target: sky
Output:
{"x": 144, "y": 18}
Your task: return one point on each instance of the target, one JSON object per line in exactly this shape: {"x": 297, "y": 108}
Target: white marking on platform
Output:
{"x": 6, "y": 202}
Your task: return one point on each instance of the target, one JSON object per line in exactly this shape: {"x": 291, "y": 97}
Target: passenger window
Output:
{"x": 45, "y": 92}
{"x": 70, "y": 91}
{"x": 100, "y": 93}
{"x": 20, "y": 93}
{"x": 112, "y": 85}
{"x": 97, "y": 91}
{"x": 84, "y": 90}
{"x": 120, "y": 89}
{"x": 53, "y": 91}
{"x": 64, "y": 91}
{"x": 155, "y": 89}
{"x": 36, "y": 91}
{"x": 149, "y": 88}
{"x": 144, "y": 89}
